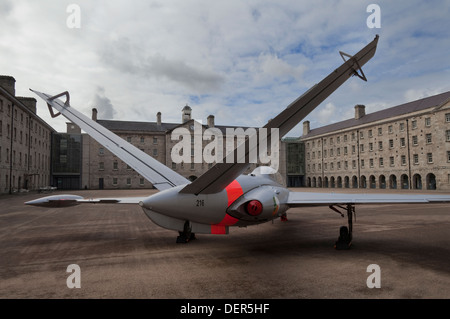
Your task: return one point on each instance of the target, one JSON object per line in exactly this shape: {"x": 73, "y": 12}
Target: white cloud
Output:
{"x": 233, "y": 59}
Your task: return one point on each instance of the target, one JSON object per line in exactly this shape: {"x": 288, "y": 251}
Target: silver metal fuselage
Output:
{"x": 171, "y": 209}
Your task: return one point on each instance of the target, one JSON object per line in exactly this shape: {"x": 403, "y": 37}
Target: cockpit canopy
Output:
{"x": 269, "y": 172}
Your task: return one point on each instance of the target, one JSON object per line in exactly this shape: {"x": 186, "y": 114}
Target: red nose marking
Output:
{"x": 254, "y": 207}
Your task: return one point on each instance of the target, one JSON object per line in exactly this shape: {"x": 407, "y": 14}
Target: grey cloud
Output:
{"x": 103, "y": 104}
{"x": 126, "y": 57}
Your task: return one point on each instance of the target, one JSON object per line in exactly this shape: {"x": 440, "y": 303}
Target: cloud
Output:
{"x": 103, "y": 105}
{"x": 127, "y": 57}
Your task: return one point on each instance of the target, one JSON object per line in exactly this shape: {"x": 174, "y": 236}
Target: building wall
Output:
{"x": 409, "y": 152}
{"x": 25, "y": 142}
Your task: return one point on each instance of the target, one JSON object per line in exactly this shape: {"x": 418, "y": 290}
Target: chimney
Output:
{"x": 29, "y": 102}
{"x": 186, "y": 114}
{"x": 306, "y": 128}
{"x": 73, "y": 128}
{"x": 210, "y": 121}
{"x": 158, "y": 119}
{"x": 360, "y": 111}
{"x": 8, "y": 83}
{"x": 94, "y": 114}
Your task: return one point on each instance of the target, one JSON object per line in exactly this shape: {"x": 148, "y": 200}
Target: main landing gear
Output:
{"x": 186, "y": 235}
{"x": 345, "y": 233}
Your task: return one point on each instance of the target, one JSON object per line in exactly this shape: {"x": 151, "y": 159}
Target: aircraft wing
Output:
{"x": 67, "y": 200}
{"x": 154, "y": 171}
{"x": 299, "y": 199}
{"x": 222, "y": 174}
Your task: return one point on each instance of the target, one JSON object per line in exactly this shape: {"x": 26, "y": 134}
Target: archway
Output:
{"x": 431, "y": 181}
{"x": 325, "y": 181}
{"x": 404, "y": 181}
{"x": 346, "y": 182}
{"x": 372, "y": 182}
{"x": 339, "y": 182}
{"x": 355, "y": 182}
{"x": 393, "y": 182}
{"x": 332, "y": 182}
{"x": 382, "y": 182}
{"x": 363, "y": 182}
{"x": 314, "y": 182}
{"x": 319, "y": 182}
{"x": 417, "y": 181}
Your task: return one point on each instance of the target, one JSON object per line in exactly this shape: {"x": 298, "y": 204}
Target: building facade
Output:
{"x": 403, "y": 147}
{"x": 25, "y": 142}
{"x": 100, "y": 169}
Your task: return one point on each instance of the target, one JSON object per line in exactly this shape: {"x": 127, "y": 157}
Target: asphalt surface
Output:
{"x": 122, "y": 254}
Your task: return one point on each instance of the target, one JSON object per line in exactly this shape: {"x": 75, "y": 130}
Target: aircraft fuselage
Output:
{"x": 248, "y": 200}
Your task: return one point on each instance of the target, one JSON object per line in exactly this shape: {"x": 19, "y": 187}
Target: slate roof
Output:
{"x": 410, "y": 107}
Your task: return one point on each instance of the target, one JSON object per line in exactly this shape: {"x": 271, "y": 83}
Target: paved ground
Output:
{"x": 122, "y": 254}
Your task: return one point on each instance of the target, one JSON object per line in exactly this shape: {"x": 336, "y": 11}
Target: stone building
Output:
{"x": 101, "y": 169}
{"x": 25, "y": 142}
{"x": 402, "y": 147}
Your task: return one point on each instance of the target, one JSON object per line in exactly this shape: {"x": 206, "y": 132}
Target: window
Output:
{"x": 447, "y": 117}
{"x": 345, "y": 138}
{"x": 403, "y": 160}
{"x": 339, "y": 139}
{"x": 448, "y": 156}
{"x": 370, "y": 147}
{"x": 430, "y": 157}
{"x": 155, "y": 140}
{"x": 447, "y": 134}
{"x": 370, "y": 133}
{"x": 114, "y": 180}
{"x": 428, "y": 138}
{"x": 391, "y": 160}
{"x": 155, "y": 152}
{"x": 361, "y": 135}
{"x": 362, "y": 163}
{"x": 115, "y": 166}
{"x": 402, "y": 127}
{"x": 390, "y": 129}
{"x": 380, "y": 131}
{"x": 174, "y": 165}
{"x": 353, "y": 149}
{"x": 428, "y": 121}
{"x": 142, "y": 139}
{"x": 371, "y": 162}
{"x": 128, "y": 181}
{"x": 416, "y": 159}
{"x": 415, "y": 140}
{"x": 381, "y": 162}
{"x": 391, "y": 143}
{"x": 402, "y": 142}
{"x": 380, "y": 145}
{"x": 101, "y": 151}
{"x": 353, "y": 164}
{"x": 101, "y": 166}
{"x": 141, "y": 181}
{"x": 413, "y": 124}
{"x": 345, "y": 150}
{"x": 338, "y": 151}
{"x": 129, "y": 139}
{"x": 338, "y": 165}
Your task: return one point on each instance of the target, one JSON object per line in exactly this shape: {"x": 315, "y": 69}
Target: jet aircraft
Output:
{"x": 224, "y": 197}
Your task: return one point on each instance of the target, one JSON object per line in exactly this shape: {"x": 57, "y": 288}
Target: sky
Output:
{"x": 241, "y": 61}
